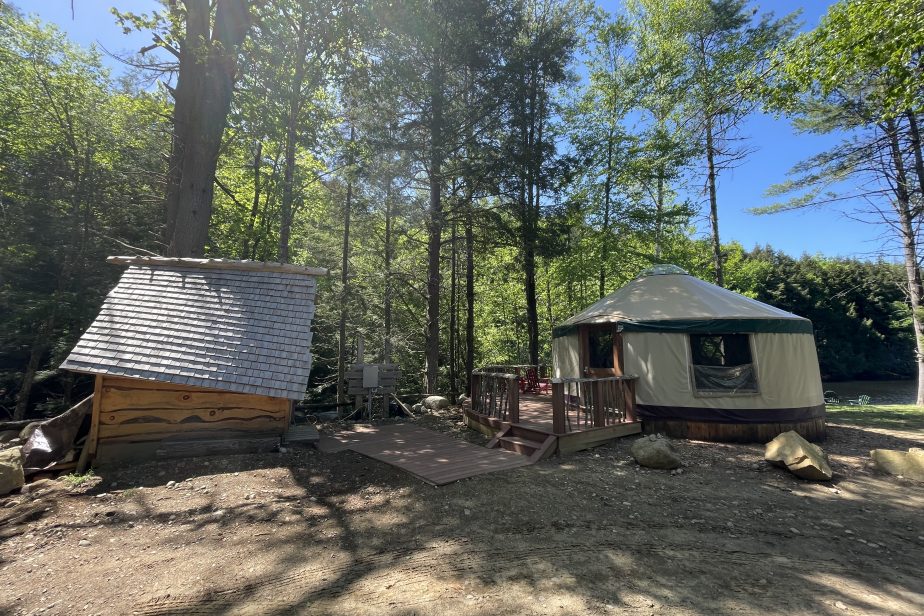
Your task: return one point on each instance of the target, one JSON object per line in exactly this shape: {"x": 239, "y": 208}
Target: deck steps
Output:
{"x": 535, "y": 444}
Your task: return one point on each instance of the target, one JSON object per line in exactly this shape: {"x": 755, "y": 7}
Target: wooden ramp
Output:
{"x": 430, "y": 456}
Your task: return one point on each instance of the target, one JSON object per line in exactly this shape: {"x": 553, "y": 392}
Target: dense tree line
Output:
{"x": 471, "y": 172}
{"x": 859, "y": 309}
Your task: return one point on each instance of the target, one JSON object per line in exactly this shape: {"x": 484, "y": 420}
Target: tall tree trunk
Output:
{"x": 469, "y": 293}
{"x": 288, "y": 174}
{"x": 530, "y": 197}
{"x": 345, "y": 274}
{"x": 453, "y": 316}
{"x": 659, "y": 212}
{"x": 389, "y": 256}
{"x": 713, "y": 204}
{"x": 915, "y": 139}
{"x": 909, "y": 244}
{"x": 201, "y": 137}
{"x": 255, "y": 204}
{"x": 605, "y": 240}
{"x": 435, "y": 230}
{"x": 268, "y": 202}
{"x": 189, "y": 83}
{"x": 40, "y": 346}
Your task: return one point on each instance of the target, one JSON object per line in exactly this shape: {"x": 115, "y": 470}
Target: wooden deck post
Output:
{"x": 629, "y": 393}
{"x": 558, "y": 406}
{"x": 598, "y": 413}
{"x": 513, "y": 399}
{"x": 475, "y": 392}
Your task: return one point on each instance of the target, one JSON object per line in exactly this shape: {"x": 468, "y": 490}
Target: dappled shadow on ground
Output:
{"x": 313, "y": 533}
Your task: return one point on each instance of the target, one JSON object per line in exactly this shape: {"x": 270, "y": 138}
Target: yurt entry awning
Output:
{"x": 668, "y": 299}
{"x": 240, "y": 326}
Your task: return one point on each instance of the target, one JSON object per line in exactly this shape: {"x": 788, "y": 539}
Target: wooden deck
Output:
{"x": 430, "y": 456}
{"x": 535, "y": 414}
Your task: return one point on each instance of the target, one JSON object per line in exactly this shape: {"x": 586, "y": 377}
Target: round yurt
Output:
{"x": 711, "y": 364}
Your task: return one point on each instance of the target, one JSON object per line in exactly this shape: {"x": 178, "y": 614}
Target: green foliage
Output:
{"x": 568, "y": 190}
{"x": 867, "y": 46}
{"x": 75, "y": 480}
{"x": 79, "y": 166}
{"x": 858, "y": 308}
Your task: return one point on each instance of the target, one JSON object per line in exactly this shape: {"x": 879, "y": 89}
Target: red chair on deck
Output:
{"x": 532, "y": 383}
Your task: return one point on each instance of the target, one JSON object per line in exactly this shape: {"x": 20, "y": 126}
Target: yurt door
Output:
{"x": 601, "y": 351}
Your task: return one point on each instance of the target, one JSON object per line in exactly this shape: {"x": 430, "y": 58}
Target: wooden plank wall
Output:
{"x": 130, "y": 410}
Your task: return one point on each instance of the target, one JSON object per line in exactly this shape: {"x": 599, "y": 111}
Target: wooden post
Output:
{"x": 513, "y": 399}
{"x": 629, "y": 394}
{"x": 475, "y": 392}
{"x": 558, "y": 406}
{"x": 89, "y": 446}
{"x": 598, "y": 389}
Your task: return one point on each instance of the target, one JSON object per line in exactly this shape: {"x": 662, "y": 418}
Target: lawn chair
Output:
{"x": 531, "y": 382}
{"x": 831, "y": 397}
{"x": 861, "y": 401}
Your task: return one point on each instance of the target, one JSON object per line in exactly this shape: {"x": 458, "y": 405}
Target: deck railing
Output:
{"x": 582, "y": 403}
{"x": 542, "y": 370}
{"x": 496, "y": 394}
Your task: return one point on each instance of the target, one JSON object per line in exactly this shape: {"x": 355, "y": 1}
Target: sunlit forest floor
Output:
{"x": 306, "y": 532}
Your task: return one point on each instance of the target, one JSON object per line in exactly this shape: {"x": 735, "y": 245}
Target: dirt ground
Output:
{"x": 306, "y": 532}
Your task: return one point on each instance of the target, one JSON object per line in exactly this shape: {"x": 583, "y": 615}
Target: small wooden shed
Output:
{"x": 190, "y": 351}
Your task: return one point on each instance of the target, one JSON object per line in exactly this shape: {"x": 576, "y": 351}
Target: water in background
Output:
{"x": 879, "y": 392}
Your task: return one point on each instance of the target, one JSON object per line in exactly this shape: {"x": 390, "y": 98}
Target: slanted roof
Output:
{"x": 241, "y": 326}
{"x": 668, "y": 299}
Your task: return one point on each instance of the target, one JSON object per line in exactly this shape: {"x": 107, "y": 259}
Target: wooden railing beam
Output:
{"x": 558, "y": 406}
{"x": 513, "y": 399}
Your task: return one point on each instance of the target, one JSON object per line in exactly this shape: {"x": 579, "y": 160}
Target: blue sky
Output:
{"x": 828, "y": 231}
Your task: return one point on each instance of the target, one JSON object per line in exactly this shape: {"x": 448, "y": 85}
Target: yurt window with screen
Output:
{"x": 722, "y": 364}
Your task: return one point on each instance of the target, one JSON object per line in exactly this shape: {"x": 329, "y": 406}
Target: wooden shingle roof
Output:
{"x": 236, "y": 325}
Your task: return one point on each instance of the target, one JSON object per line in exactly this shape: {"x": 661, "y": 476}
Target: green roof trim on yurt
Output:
{"x": 706, "y": 326}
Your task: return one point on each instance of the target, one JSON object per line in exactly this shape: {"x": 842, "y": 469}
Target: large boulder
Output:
{"x": 435, "y": 403}
{"x": 801, "y": 458}
{"x": 11, "y": 475}
{"x": 905, "y": 463}
{"x": 655, "y": 451}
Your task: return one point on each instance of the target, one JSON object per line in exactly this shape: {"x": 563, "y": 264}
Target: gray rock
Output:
{"x": 171, "y": 484}
{"x": 435, "y": 403}
{"x": 801, "y": 458}
{"x": 462, "y": 399}
{"x": 655, "y": 451}
{"x": 83, "y": 543}
{"x": 26, "y": 432}
{"x": 904, "y": 463}
{"x": 417, "y": 408}
{"x": 11, "y": 475}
